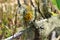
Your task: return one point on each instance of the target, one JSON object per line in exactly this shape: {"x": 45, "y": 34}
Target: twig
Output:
{"x": 16, "y": 35}
{"x": 22, "y": 32}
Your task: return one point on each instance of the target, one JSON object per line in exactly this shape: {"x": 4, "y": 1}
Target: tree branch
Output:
{"x": 18, "y": 34}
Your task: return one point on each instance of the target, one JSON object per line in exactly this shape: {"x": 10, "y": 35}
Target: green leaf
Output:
{"x": 54, "y": 2}
{"x": 58, "y": 4}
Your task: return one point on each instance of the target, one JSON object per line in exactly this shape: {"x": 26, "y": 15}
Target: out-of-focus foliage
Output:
{"x": 54, "y": 2}
{"x": 36, "y": 1}
{"x": 8, "y": 33}
{"x": 54, "y": 14}
{"x": 7, "y": 19}
{"x": 57, "y": 3}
